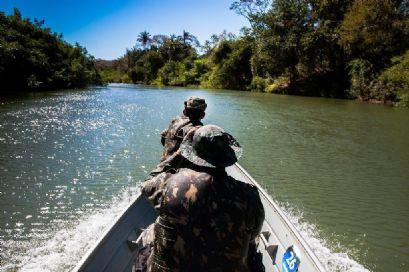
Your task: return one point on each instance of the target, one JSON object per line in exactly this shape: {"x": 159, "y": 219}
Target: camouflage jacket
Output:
{"x": 207, "y": 221}
{"x": 172, "y": 137}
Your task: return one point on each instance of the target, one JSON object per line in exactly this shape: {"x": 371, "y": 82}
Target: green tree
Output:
{"x": 32, "y": 57}
{"x": 375, "y": 30}
{"x": 298, "y": 40}
{"x": 172, "y": 73}
{"x": 231, "y": 65}
{"x": 173, "y": 49}
{"x": 144, "y": 38}
{"x": 393, "y": 83}
{"x": 189, "y": 39}
{"x": 146, "y": 68}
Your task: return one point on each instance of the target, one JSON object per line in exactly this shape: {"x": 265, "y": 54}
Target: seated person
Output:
{"x": 207, "y": 220}
{"x": 191, "y": 117}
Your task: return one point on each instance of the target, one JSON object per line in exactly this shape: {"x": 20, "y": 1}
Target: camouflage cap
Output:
{"x": 195, "y": 103}
{"x": 210, "y": 146}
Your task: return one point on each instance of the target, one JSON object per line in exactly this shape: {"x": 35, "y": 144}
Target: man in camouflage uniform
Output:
{"x": 207, "y": 219}
{"x": 191, "y": 117}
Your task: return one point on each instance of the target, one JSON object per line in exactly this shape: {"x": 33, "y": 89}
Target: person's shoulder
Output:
{"x": 193, "y": 175}
{"x": 185, "y": 177}
{"x": 250, "y": 194}
{"x": 245, "y": 189}
{"x": 177, "y": 119}
{"x": 239, "y": 183}
{"x": 181, "y": 117}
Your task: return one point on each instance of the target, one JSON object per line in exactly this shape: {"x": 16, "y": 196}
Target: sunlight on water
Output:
{"x": 70, "y": 162}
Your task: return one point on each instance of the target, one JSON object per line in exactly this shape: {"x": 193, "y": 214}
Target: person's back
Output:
{"x": 172, "y": 137}
{"x": 207, "y": 220}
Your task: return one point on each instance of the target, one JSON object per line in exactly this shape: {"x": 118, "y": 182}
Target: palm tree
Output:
{"x": 144, "y": 38}
{"x": 188, "y": 38}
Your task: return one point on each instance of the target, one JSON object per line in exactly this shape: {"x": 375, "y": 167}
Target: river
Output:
{"x": 71, "y": 160}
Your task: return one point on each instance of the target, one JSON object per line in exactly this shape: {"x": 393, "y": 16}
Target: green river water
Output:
{"x": 71, "y": 160}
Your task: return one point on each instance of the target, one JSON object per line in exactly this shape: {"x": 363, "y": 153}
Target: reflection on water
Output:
{"x": 71, "y": 160}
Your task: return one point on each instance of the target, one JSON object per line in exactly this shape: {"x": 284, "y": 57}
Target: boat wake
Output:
{"x": 64, "y": 249}
{"x": 331, "y": 260}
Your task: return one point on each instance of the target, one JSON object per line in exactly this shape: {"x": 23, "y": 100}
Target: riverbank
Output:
{"x": 390, "y": 87}
{"x": 283, "y": 90}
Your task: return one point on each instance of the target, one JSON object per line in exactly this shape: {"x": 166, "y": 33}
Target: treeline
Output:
{"x": 159, "y": 59}
{"x": 344, "y": 49}
{"x": 32, "y": 58}
{"x": 179, "y": 60}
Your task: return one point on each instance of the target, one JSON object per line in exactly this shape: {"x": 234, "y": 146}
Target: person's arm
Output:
{"x": 171, "y": 164}
{"x": 153, "y": 189}
{"x": 255, "y": 260}
{"x": 164, "y": 133}
{"x": 163, "y": 136}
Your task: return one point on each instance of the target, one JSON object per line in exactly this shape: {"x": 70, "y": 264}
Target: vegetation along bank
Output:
{"x": 33, "y": 58}
{"x": 343, "y": 49}
{"x": 356, "y": 49}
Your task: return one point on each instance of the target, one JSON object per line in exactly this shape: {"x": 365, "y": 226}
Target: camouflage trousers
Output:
{"x": 145, "y": 245}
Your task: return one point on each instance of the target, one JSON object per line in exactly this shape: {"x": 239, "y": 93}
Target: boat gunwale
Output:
{"x": 290, "y": 226}
{"x": 92, "y": 251}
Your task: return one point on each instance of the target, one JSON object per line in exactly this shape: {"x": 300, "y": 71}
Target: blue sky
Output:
{"x": 107, "y": 27}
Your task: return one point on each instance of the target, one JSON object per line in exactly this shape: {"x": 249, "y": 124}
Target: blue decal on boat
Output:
{"x": 290, "y": 261}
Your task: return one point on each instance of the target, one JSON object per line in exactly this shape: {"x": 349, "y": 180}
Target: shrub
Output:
{"x": 395, "y": 80}
{"x": 258, "y": 84}
{"x": 172, "y": 73}
{"x": 279, "y": 85}
{"x": 361, "y": 75}
{"x": 195, "y": 73}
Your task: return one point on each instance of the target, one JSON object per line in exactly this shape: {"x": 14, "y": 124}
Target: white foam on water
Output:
{"x": 66, "y": 248}
{"x": 331, "y": 260}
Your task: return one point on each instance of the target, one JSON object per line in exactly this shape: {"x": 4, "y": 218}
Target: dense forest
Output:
{"x": 34, "y": 58}
{"x": 332, "y": 48}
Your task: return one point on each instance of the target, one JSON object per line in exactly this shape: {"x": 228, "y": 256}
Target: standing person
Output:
{"x": 207, "y": 220}
{"x": 192, "y": 115}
